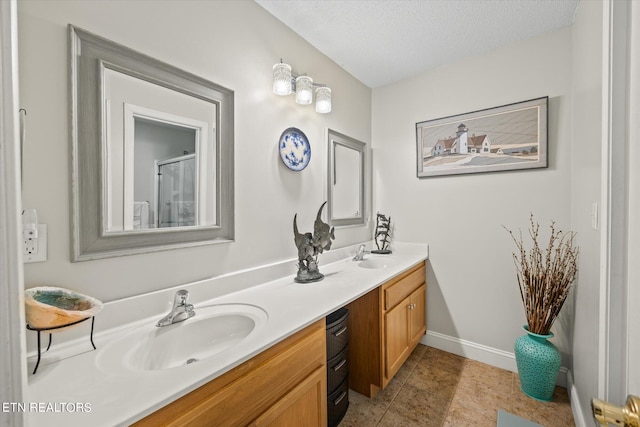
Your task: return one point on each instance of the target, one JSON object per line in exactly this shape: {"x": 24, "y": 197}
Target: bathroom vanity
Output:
{"x": 286, "y": 384}
{"x": 387, "y": 323}
{"x": 275, "y": 373}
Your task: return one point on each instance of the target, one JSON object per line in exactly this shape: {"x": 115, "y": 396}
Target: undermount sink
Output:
{"x": 377, "y": 261}
{"x": 213, "y": 330}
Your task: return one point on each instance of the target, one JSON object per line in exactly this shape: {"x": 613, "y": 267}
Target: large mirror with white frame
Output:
{"x": 346, "y": 178}
{"x": 152, "y": 151}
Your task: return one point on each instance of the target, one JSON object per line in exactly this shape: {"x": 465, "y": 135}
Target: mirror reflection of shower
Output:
{"x": 165, "y": 175}
{"x": 176, "y": 191}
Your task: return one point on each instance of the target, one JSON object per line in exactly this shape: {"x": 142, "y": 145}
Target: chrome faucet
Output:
{"x": 180, "y": 310}
{"x": 362, "y": 250}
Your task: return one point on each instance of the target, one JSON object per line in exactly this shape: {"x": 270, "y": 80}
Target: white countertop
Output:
{"x": 76, "y": 391}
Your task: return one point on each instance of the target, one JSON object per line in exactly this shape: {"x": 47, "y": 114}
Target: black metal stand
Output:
{"x": 38, "y": 330}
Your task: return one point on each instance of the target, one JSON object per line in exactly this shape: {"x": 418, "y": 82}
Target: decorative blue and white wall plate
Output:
{"x": 295, "y": 150}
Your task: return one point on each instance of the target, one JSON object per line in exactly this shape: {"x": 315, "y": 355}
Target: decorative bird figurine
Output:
{"x": 310, "y": 246}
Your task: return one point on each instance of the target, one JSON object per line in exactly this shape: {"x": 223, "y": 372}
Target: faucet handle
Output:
{"x": 181, "y": 297}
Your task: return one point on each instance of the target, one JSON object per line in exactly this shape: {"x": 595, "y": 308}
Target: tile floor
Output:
{"x": 436, "y": 388}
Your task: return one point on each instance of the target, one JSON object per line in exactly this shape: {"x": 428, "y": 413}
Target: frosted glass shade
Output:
{"x": 282, "y": 79}
{"x": 323, "y": 100}
{"x": 304, "y": 90}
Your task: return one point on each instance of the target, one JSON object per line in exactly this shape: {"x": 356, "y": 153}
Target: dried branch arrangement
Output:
{"x": 545, "y": 277}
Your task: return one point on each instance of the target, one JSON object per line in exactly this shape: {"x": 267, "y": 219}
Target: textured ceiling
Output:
{"x": 384, "y": 41}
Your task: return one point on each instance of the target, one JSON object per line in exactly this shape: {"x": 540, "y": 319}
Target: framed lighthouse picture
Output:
{"x": 509, "y": 137}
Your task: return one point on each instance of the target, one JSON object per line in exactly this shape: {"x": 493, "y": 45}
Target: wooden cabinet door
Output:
{"x": 396, "y": 336}
{"x": 305, "y": 405}
{"x": 418, "y": 315}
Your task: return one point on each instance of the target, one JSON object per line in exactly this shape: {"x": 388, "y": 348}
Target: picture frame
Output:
{"x": 505, "y": 138}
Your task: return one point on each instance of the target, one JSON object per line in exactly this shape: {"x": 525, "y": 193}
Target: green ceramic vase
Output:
{"x": 538, "y": 363}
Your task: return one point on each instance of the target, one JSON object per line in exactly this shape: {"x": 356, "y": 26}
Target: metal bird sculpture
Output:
{"x": 382, "y": 236}
{"x": 310, "y": 246}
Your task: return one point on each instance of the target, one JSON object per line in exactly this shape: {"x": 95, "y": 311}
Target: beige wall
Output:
{"x": 586, "y": 165}
{"x": 232, "y": 43}
{"x": 472, "y": 293}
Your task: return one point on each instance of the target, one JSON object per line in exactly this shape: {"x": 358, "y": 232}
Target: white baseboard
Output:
{"x": 576, "y": 408}
{"x": 481, "y": 353}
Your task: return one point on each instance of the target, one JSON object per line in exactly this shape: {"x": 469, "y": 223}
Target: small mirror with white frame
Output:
{"x": 346, "y": 180}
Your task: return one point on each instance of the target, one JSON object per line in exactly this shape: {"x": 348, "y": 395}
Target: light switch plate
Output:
{"x": 595, "y": 223}
{"x": 41, "y": 253}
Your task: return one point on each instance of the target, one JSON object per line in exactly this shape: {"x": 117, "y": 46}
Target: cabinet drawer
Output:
{"x": 399, "y": 290}
{"x": 337, "y": 332}
{"x": 337, "y": 370}
{"x": 337, "y": 404}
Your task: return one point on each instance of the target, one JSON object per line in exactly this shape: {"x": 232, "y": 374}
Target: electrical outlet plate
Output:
{"x": 39, "y": 253}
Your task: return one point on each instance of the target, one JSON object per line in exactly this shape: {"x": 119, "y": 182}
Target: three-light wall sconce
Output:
{"x": 284, "y": 83}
